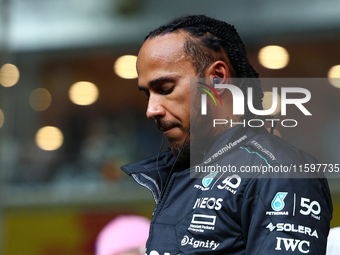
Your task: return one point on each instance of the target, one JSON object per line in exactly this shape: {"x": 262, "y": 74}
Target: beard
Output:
{"x": 194, "y": 145}
{"x": 182, "y": 150}
{"x": 191, "y": 151}
{"x": 195, "y": 142}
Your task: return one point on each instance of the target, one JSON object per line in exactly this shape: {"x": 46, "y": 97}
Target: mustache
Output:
{"x": 166, "y": 125}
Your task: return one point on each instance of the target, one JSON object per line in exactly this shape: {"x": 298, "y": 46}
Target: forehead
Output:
{"x": 161, "y": 52}
{"x": 164, "y": 47}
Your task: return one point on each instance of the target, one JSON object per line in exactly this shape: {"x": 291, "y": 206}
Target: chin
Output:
{"x": 182, "y": 149}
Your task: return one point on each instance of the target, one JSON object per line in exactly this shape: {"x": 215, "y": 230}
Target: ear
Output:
{"x": 220, "y": 70}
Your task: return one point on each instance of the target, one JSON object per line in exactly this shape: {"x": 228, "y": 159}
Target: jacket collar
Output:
{"x": 153, "y": 174}
{"x": 166, "y": 159}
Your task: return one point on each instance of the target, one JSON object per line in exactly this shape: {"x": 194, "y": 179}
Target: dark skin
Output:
{"x": 164, "y": 73}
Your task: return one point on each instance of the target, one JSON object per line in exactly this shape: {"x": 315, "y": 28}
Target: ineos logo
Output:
{"x": 210, "y": 203}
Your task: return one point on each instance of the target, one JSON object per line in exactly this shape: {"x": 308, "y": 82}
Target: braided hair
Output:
{"x": 213, "y": 40}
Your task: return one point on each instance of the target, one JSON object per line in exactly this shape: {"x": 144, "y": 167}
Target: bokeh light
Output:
{"x": 49, "y": 138}
{"x": 125, "y": 67}
{"x": 83, "y": 93}
{"x": 273, "y": 57}
{"x": 2, "y": 118}
{"x": 268, "y": 102}
{"x": 334, "y": 76}
{"x": 40, "y": 99}
{"x": 9, "y": 75}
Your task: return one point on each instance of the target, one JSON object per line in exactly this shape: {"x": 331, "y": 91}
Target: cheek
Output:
{"x": 184, "y": 102}
{"x": 185, "y": 113}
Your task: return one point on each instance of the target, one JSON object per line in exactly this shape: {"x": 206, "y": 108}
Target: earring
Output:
{"x": 216, "y": 81}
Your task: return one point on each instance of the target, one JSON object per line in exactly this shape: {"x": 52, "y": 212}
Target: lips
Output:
{"x": 165, "y": 126}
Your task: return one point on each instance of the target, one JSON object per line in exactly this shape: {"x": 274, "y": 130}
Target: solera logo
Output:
{"x": 238, "y": 100}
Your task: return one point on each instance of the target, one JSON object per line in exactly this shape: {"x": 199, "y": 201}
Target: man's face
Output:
{"x": 164, "y": 74}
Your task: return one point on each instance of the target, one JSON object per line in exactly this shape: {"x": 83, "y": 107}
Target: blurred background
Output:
{"x": 71, "y": 114}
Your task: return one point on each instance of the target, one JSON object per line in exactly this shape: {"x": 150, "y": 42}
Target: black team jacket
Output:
{"x": 255, "y": 195}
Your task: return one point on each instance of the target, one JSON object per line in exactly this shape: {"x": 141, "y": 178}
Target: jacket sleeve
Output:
{"x": 286, "y": 216}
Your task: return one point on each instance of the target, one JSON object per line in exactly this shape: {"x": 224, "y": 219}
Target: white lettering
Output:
{"x": 297, "y": 101}
{"x": 289, "y": 120}
{"x": 238, "y": 100}
{"x": 309, "y": 207}
{"x": 238, "y": 97}
{"x": 227, "y": 182}
{"x": 315, "y": 234}
{"x": 300, "y": 246}
{"x": 272, "y": 121}
{"x": 288, "y": 227}
{"x": 197, "y": 243}
{"x": 219, "y": 122}
{"x": 236, "y": 123}
{"x": 262, "y": 112}
{"x": 204, "y": 201}
{"x": 291, "y": 244}
{"x": 255, "y": 120}
{"x": 278, "y": 244}
{"x": 276, "y": 213}
{"x": 210, "y": 203}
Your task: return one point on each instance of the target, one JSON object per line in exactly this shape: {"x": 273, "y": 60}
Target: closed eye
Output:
{"x": 168, "y": 91}
{"x": 166, "y": 88}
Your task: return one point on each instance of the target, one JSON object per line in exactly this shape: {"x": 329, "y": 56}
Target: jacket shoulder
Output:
{"x": 277, "y": 150}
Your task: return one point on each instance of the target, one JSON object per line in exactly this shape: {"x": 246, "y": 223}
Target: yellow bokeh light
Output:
{"x": 40, "y": 99}
{"x": 49, "y": 138}
{"x": 334, "y": 76}
{"x": 125, "y": 67}
{"x": 268, "y": 101}
{"x": 83, "y": 93}
{"x": 9, "y": 75}
{"x": 2, "y": 118}
{"x": 273, "y": 57}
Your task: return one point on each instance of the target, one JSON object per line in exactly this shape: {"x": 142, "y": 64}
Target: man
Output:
{"x": 226, "y": 212}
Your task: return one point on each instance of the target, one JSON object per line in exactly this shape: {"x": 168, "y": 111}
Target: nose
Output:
{"x": 155, "y": 108}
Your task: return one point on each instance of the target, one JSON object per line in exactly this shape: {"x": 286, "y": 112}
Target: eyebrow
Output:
{"x": 156, "y": 81}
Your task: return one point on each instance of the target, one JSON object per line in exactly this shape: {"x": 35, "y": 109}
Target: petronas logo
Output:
{"x": 278, "y": 201}
{"x": 208, "y": 179}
